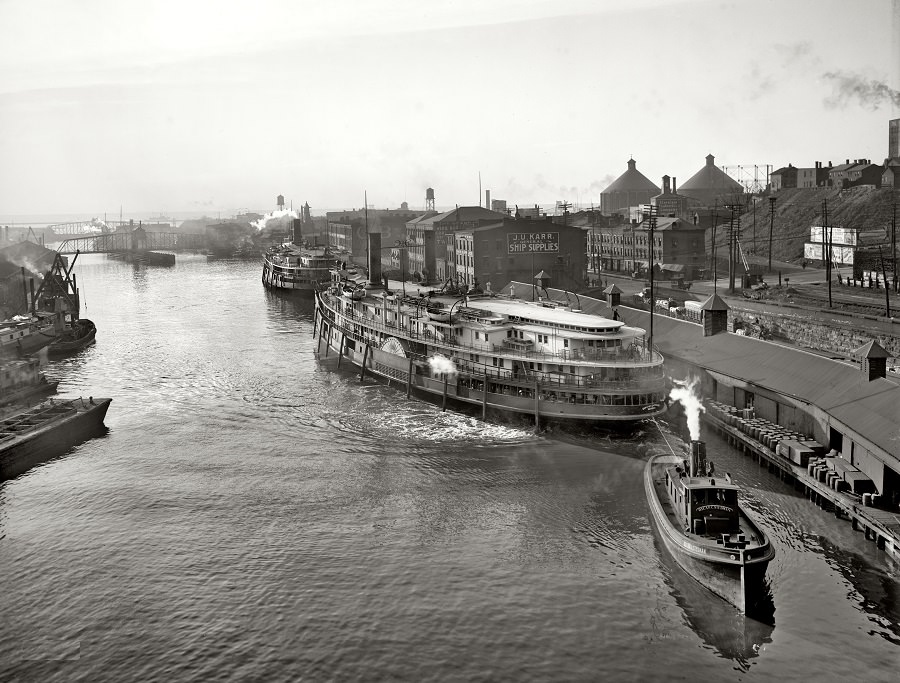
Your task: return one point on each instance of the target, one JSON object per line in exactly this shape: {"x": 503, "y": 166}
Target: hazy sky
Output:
{"x": 181, "y": 105}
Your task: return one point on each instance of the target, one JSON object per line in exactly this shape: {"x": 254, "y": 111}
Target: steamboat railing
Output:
{"x": 648, "y": 378}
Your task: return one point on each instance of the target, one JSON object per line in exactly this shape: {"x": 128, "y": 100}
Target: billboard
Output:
{"x": 532, "y": 242}
{"x": 839, "y": 254}
{"x": 838, "y": 235}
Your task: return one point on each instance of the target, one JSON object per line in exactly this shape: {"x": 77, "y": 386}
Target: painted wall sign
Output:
{"x": 532, "y": 242}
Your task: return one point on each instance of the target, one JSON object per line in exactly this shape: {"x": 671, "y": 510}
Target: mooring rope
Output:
{"x": 672, "y": 450}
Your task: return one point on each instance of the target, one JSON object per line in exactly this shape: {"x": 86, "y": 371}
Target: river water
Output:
{"x": 256, "y": 513}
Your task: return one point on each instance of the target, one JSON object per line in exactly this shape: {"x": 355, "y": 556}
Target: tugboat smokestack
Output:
{"x": 698, "y": 457}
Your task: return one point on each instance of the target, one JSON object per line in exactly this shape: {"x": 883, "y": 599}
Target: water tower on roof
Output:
{"x": 429, "y": 199}
{"x": 280, "y": 201}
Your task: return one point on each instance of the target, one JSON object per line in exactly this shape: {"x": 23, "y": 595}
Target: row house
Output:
{"x": 678, "y": 248}
{"x": 857, "y": 172}
{"x": 428, "y": 237}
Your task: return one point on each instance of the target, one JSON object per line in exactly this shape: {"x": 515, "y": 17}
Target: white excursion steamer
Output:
{"x": 509, "y": 355}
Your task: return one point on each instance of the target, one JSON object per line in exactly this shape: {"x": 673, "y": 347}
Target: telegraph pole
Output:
{"x": 652, "y": 227}
{"x": 772, "y": 201}
{"x": 715, "y": 263}
{"x": 754, "y": 224}
{"x": 826, "y": 247}
{"x": 894, "y": 247}
{"x": 733, "y": 237}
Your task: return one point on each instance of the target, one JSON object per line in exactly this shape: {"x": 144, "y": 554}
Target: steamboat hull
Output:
{"x": 735, "y": 574}
{"x": 34, "y": 436}
{"x": 296, "y": 278}
{"x": 509, "y": 396}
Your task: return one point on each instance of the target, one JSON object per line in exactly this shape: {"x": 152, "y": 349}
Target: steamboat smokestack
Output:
{"x": 698, "y": 457}
{"x": 375, "y": 259}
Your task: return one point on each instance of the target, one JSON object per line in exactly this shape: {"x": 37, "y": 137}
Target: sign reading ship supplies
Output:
{"x": 533, "y": 242}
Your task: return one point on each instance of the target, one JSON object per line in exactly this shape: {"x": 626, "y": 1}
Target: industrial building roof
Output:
{"x": 870, "y": 408}
{"x": 465, "y": 214}
{"x": 632, "y": 181}
{"x": 710, "y": 177}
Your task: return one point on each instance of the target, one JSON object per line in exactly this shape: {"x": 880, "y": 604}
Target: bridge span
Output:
{"x": 137, "y": 240}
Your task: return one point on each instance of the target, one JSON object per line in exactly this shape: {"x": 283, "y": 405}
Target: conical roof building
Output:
{"x": 710, "y": 184}
{"x": 629, "y": 189}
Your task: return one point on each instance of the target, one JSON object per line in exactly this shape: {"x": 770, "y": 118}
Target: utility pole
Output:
{"x": 754, "y": 224}
{"x": 565, "y": 207}
{"x": 894, "y": 247}
{"x": 887, "y": 289}
{"x": 652, "y": 227}
{"x": 826, "y": 247}
{"x": 734, "y": 228}
{"x": 715, "y": 263}
{"x": 772, "y": 201}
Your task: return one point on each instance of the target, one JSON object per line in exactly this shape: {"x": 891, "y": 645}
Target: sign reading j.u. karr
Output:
{"x": 533, "y": 242}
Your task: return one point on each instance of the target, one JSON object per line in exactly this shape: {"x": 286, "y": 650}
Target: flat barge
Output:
{"x": 34, "y": 435}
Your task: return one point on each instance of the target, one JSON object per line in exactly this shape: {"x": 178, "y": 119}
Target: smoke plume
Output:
{"x": 441, "y": 364}
{"x": 275, "y": 215}
{"x": 686, "y": 394}
{"x": 851, "y": 88}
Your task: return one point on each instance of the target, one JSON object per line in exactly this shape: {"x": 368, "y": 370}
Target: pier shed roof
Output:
{"x": 840, "y": 389}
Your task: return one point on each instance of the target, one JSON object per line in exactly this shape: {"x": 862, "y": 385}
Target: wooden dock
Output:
{"x": 880, "y": 526}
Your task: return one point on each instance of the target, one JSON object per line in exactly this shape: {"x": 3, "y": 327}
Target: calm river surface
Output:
{"x": 255, "y": 513}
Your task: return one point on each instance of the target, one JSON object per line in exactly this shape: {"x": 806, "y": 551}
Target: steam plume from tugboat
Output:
{"x": 685, "y": 393}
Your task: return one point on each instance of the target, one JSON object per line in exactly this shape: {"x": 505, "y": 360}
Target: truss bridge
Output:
{"x": 134, "y": 241}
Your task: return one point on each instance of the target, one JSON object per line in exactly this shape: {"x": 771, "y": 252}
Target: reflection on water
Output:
{"x": 875, "y": 589}
{"x": 257, "y": 513}
{"x": 719, "y": 624}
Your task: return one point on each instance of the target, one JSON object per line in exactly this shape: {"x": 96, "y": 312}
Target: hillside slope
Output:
{"x": 796, "y": 210}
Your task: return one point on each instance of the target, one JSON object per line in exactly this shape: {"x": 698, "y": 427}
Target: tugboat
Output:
{"x": 704, "y": 527}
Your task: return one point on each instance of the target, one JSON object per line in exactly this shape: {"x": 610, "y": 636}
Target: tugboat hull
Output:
{"x": 736, "y": 574}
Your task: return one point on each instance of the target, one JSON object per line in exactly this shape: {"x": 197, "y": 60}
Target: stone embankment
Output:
{"x": 829, "y": 332}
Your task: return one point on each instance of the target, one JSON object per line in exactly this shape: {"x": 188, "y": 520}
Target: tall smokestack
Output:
{"x": 375, "y": 259}
{"x": 698, "y": 457}
{"x": 674, "y": 191}
{"x": 297, "y": 231}
{"x": 895, "y": 53}
{"x": 487, "y": 199}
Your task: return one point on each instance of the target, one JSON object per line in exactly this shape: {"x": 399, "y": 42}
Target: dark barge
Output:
{"x": 37, "y": 434}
